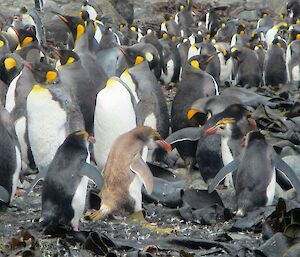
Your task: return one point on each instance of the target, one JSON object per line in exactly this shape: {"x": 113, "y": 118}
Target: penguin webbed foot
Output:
{"x": 93, "y": 215}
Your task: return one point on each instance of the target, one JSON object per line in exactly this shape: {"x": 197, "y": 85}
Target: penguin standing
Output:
{"x": 114, "y": 115}
{"x": 248, "y": 68}
{"x": 256, "y": 177}
{"x": 74, "y": 76}
{"x": 232, "y": 124}
{"x": 10, "y": 158}
{"x": 63, "y": 203}
{"x": 125, "y": 172}
{"x": 52, "y": 114}
{"x": 275, "y": 71}
{"x": 151, "y": 107}
{"x": 293, "y": 54}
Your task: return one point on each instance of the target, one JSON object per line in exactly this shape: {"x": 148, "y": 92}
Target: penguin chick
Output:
{"x": 65, "y": 185}
{"x": 125, "y": 172}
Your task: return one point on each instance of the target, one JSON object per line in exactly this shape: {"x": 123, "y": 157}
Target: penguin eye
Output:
{"x": 222, "y": 127}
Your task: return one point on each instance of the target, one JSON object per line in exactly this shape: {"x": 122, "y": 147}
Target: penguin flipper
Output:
{"x": 283, "y": 167}
{"x": 4, "y": 195}
{"x": 140, "y": 168}
{"x": 230, "y": 167}
{"x": 40, "y": 176}
{"x": 185, "y": 134}
{"x": 92, "y": 173}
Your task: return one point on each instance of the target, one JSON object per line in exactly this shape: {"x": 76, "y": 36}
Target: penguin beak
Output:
{"x": 92, "y": 139}
{"x": 210, "y": 131}
{"x": 252, "y": 124}
{"x": 164, "y": 145}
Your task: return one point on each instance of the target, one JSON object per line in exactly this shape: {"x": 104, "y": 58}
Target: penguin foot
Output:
{"x": 93, "y": 215}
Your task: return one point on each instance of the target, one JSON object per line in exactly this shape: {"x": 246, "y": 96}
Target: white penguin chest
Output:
{"x": 16, "y": 173}
{"x": 46, "y": 126}
{"x": 10, "y": 101}
{"x": 114, "y": 115}
{"x": 167, "y": 77}
{"x": 271, "y": 189}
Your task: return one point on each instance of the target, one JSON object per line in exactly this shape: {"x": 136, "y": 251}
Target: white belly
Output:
{"x": 78, "y": 202}
{"x": 226, "y": 158}
{"x": 20, "y": 126}
{"x": 226, "y": 68}
{"x": 135, "y": 192}
{"x": 10, "y": 101}
{"x": 296, "y": 73}
{"x": 114, "y": 115}
{"x": 271, "y": 189}
{"x": 46, "y": 126}
{"x": 16, "y": 173}
{"x": 167, "y": 77}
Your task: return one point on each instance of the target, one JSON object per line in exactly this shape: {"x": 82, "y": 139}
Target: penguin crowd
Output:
{"x": 92, "y": 106}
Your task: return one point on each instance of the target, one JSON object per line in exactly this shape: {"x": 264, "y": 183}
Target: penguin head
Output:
{"x": 26, "y": 36}
{"x": 67, "y": 56}
{"x": 241, "y": 29}
{"x": 294, "y": 32}
{"x": 80, "y": 139}
{"x": 278, "y": 41}
{"x": 235, "y": 52}
{"x": 134, "y": 56}
{"x": 254, "y": 137}
{"x": 151, "y": 138}
{"x": 84, "y": 15}
{"x": 9, "y": 63}
{"x": 75, "y": 24}
{"x": 43, "y": 73}
{"x": 235, "y": 120}
{"x": 200, "y": 62}
{"x": 3, "y": 41}
{"x": 293, "y": 8}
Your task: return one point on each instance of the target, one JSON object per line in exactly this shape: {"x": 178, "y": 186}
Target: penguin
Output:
{"x": 226, "y": 63}
{"x": 114, "y": 115}
{"x": 81, "y": 83}
{"x": 185, "y": 18}
{"x": 272, "y": 32}
{"x": 30, "y": 17}
{"x": 265, "y": 20}
{"x": 63, "y": 203}
{"x": 171, "y": 60}
{"x": 52, "y": 114}
{"x": 151, "y": 105}
{"x": 275, "y": 71}
{"x": 255, "y": 174}
{"x": 150, "y": 37}
{"x": 4, "y": 46}
{"x": 225, "y": 32}
{"x": 28, "y": 47}
{"x": 10, "y": 158}
{"x": 147, "y": 51}
{"x": 170, "y": 26}
{"x": 212, "y": 22}
{"x": 195, "y": 83}
{"x": 91, "y": 8}
{"x": 248, "y": 69}
{"x": 293, "y": 10}
{"x": 241, "y": 37}
{"x": 292, "y": 55}
{"x": 126, "y": 168}
{"x": 232, "y": 124}
{"x": 204, "y": 108}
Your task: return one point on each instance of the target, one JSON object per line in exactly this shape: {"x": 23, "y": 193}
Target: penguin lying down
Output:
{"x": 255, "y": 174}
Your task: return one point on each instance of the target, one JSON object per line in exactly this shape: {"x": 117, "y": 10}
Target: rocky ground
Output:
{"x": 191, "y": 229}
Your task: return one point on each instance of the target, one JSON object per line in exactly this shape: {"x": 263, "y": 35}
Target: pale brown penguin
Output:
{"x": 125, "y": 172}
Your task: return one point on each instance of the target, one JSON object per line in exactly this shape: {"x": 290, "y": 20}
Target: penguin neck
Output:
{"x": 227, "y": 155}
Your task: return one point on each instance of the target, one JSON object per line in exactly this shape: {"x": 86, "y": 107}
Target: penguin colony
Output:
{"x": 94, "y": 108}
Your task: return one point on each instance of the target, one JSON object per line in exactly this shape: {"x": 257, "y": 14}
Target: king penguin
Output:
{"x": 114, "y": 115}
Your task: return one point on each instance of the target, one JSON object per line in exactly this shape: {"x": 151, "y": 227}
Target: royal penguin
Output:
{"x": 255, "y": 174}
{"x": 65, "y": 185}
